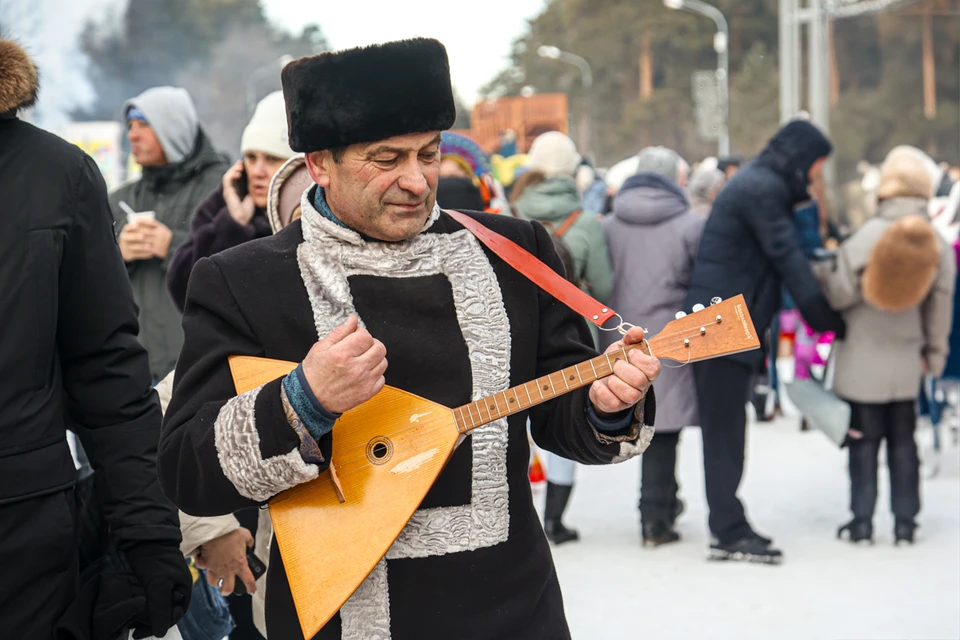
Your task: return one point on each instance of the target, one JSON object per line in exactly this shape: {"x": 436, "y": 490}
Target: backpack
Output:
{"x": 563, "y": 251}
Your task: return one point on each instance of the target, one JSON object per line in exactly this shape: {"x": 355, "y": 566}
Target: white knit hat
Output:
{"x": 267, "y": 131}
{"x": 554, "y": 154}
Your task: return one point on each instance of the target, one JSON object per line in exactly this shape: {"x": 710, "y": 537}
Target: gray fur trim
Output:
{"x": 238, "y": 449}
{"x": 328, "y": 256}
{"x": 368, "y": 615}
{"x": 635, "y": 448}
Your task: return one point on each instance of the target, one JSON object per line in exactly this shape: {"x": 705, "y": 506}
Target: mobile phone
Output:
{"x": 240, "y": 184}
{"x": 257, "y": 568}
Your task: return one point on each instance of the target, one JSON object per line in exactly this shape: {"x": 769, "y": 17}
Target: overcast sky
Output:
{"x": 477, "y": 35}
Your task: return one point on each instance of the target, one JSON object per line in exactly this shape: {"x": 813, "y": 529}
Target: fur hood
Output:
{"x": 18, "y": 78}
{"x": 902, "y": 265}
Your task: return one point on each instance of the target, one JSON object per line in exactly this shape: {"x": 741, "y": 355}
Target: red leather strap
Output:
{"x": 539, "y": 273}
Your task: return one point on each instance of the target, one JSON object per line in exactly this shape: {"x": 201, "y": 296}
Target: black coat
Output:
{"x": 212, "y": 230}
{"x": 750, "y": 242}
{"x": 457, "y": 323}
{"x": 69, "y": 354}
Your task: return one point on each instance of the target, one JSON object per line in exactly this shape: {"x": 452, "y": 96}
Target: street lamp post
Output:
{"x": 720, "y": 40}
{"x": 586, "y": 116}
{"x": 282, "y": 61}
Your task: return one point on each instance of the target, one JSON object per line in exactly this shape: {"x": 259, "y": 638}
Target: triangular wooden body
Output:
{"x": 387, "y": 452}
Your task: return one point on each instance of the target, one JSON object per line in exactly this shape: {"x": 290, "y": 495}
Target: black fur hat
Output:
{"x": 368, "y": 94}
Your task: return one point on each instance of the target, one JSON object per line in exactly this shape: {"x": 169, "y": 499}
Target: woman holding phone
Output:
{"x": 236, "y": 211}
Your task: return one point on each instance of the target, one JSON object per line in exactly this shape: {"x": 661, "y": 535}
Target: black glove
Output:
{"x": 167, "y": 582}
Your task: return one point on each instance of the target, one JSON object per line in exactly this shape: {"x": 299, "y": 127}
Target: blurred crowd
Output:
{"x": 652, "y": 236}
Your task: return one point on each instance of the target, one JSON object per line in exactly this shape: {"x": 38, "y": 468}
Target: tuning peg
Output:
{"x": 715, "y": 300}
{"x": 680, "y": 314}
{"x": 698, "y": 307}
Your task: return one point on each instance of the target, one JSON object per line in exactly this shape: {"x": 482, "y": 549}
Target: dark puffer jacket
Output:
{"x": 750, "y": 243}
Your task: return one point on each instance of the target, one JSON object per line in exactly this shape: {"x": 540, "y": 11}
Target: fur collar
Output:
{"x": 18, "y": 78}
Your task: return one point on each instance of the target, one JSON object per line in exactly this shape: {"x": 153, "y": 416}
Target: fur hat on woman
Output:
{"x": 902, "y": 265}
{"x": 19, "y": 84}
{"x": 904, "y": 174}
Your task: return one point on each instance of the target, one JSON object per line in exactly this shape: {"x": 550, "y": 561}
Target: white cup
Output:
{"x": 132, "y": 218}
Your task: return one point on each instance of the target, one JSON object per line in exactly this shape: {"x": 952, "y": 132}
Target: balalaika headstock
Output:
{"x": 722, "y": 329}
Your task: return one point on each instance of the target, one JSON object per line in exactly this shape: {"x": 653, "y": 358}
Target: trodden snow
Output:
{"x": 796, "y": 490}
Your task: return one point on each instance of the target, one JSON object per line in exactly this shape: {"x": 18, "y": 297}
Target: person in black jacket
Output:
{"x": 70, "y": 359}
{"x": 235, "y": 212}
{"x": 750, "y": 246}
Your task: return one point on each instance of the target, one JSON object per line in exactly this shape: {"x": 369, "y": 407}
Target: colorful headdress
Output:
{"x": 466, "y": 152}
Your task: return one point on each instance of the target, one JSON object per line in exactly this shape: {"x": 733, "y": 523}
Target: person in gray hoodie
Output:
{"x": 653, "y": 239}
{"x": 180, "y": 167}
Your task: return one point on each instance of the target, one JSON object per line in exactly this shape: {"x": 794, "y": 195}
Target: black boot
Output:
{"x": 857, "y": 530}
{"x": 678, "y": 508}
{"x": 752, "y": 548}
{"x": 903, "y": 531}
{"x": 658, "y": 533}
{"x": 557, "y": 497}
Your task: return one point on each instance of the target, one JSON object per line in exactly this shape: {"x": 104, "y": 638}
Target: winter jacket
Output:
{"x": 653, "y": 238}
{"x": 952, "y": 369}
{"x": 750, "y": 243}
{"x": 212, "y": 230}
{"x": 173, "y": 192}
{"x": 550, "y": 203}
{"x": 69, "y": 351}
{"x": 880, "y": 359}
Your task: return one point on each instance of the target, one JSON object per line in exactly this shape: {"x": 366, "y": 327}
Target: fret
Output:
{"x": 609, "y": 364}
{"x": 463, "y": 421}
{"x": 563, "y": 372}
{"x": 527, "y": 389}
{"x": 538, "y": 389}
{"x": 517, "y": 398}
{"x": 496, "y": 405}
{"x": 576, "y": 368}
{"x": 550, "y": 380}
{"x": 503, "y": 395}
{"x": 470, "y": 413}
{"x": 596, "y": 375}
{"x": 484, "y": 404}
{"x": 625, "y": 356}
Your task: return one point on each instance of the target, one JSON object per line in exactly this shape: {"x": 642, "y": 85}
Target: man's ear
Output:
{"x": 318, "y": 166}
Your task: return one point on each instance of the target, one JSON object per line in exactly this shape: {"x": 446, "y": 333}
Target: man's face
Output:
{"x": 385, "y": 189}
{"x": 144, "y": 144}
{"x": 260, "y": 168}
{"x": 815, "y": 185}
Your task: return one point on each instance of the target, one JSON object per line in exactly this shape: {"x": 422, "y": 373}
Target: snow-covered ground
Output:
{"x": 796, "y": 490}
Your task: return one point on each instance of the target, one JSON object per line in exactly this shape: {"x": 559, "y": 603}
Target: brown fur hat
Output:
{"x": 902, "y": 265}
{"x": 904, "y": 175}
{"x": 18, "y": 78}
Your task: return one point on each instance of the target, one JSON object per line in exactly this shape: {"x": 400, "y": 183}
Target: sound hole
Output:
{"x": 379, "y": 450}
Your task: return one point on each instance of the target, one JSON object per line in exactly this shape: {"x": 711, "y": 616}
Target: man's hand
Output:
{"x": 143, "y": 239}
{"x": 346, "y": 368}
{"x": 225, "y": 558}
{"x": 133, "y": 244}
{"x": 157, "y": 237}
{"x": 630, "y": 380}
{"x": 240, "y": 210}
